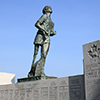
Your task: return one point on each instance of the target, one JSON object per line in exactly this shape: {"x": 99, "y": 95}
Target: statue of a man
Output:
{"x": 45, "y": 30}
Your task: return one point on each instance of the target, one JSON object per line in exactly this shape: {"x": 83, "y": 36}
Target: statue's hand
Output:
{"x": 55, "y": 33}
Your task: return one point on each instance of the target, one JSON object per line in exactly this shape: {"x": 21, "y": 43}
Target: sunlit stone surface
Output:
{"x": 6, "y": 78}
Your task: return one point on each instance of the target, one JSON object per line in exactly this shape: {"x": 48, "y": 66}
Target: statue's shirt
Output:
{"x": 46, "y": 23}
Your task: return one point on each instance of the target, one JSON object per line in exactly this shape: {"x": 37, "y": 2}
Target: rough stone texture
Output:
{"x": 6, "y": 78}
{"x": 68, "y": 88}
{"x": 91, "y": 53}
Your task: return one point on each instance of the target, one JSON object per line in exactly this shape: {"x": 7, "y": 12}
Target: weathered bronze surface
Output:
{"x": 34, "y": 78}
{"x": 45, "y": 29}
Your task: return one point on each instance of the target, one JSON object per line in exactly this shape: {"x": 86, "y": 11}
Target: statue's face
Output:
{"x": 49, "y": 10}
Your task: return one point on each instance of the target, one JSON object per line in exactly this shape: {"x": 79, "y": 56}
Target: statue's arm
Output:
{"x": 39, "y": 23}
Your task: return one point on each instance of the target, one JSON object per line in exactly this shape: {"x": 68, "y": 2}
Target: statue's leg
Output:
{"x": 36, "y": 48}
{"x": 44, "y": 51}
{"x": 32, "y": 72}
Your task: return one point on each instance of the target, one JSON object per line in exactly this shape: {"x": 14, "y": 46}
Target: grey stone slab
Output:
{"x": 50, "y": 89}
{"x": 91, "y": 53}
{"x": 76, "y": 87}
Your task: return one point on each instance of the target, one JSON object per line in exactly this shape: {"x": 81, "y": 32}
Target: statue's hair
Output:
{"x": 45, "y": 9}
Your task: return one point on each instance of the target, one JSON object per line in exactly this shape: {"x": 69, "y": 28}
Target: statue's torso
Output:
{"x": 48, "y": 25}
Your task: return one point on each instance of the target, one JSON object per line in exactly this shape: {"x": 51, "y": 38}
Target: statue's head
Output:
{"x": 47, "y": 9}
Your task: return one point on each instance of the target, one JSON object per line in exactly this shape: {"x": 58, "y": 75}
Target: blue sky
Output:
{"x": 77, "y": 22}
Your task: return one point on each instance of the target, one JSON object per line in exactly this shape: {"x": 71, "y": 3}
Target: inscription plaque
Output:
{"x": 2, "y": 95}
{"x": 28, "y": 94}
{"x": 44, "y": 93}
{"x": 22, "y": 94}
{"x": 10, "y": 94}
{"x": 53, "y": 93}
{"x": 91, "y": 53}
{"x": 6, "y": 94}
{"x": 16, "y": 95}
{"x": 36, "y": 94}
{"x": 63, "y": 90}
{"x": 76, "y": 89}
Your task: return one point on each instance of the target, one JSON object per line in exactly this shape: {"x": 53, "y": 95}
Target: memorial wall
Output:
{"x": 68, "y": 88}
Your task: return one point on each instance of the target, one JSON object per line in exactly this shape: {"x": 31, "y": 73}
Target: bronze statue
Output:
{"x": 45, "y": 30}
